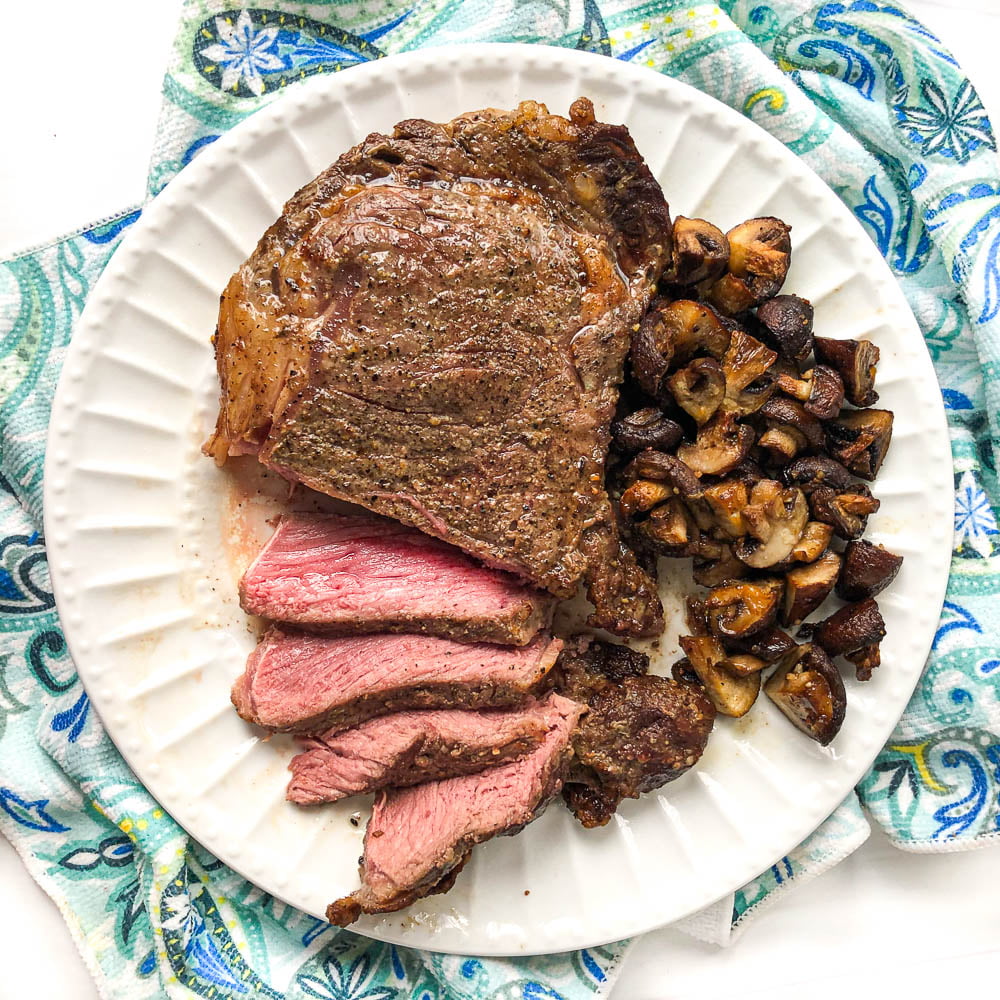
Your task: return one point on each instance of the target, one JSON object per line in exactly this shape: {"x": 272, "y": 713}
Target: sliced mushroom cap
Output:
{"x": 807, "y": 587}
{"x": 856, "y": 361}
{"x": 789, "y": 321}
{"x": 694, "y": 329}
{"x": 746, "y": 360}
{"x": 811, "y": 472}
{"x": 868, "y": 569}
{"x": 760, "y": 251}
{"x": 669, "y": 469}
{"x": 865, "y": 660}
{"x": 643, "y": 495}
{"x": 699, "y": 388}
{"x": 720, "y": 446}
{"x": 808, "y": 689}
{"x": 846, "y": 513}
{"x": 851, "y": 628}
{"x": 670, "y": 530}
{"x": 769, "y": 645}
{"x": 782, "y": 443}
{"x": 776, "y": 518}
{"x": 710, "y": 572}
{"x": 820, "y": 390}
{"x": 782, "y": 411}
{"x": 646, "y": 428}
{"x": 814, "y": 542}
{"x": 701, "y": 252}
{"x": 859, "y": 439}
{"x": 737, "y": 609}
{"x": 728, "y": 500}
{"x": 732, "y": 695}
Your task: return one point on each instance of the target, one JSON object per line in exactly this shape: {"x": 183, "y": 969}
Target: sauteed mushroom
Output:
{"x": 860, "y": 439}
{"x": 807, "y": 587}
{"x": 646, "y": 428}
{"x": 820, "y": 390}
{"x": 789, "y": 321}
{"x": 699, "y": 388}
{"x": 701, "y": 252}
{"x": 720, "y": 446}
{"x": 856, "y": 361}
{"x": 868, "y": 569}
{"x": 851, "y": 628}
{"x": 732, "y": 695}
{"x": 739, "y": 608}
{"x": 808, "y": 689}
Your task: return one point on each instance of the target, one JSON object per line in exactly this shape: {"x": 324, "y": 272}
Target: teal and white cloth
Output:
{"x": 877, "y": 107}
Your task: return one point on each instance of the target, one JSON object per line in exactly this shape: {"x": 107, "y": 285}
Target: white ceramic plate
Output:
{"x": 147, "y": 539}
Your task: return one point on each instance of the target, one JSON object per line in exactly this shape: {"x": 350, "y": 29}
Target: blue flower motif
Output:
{"x": 243, "y": 52}
{"x": 974, "y": 517}
{"x": 954, "y": 131}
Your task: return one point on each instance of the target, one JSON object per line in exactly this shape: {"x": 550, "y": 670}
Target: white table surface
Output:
{"x": 81, "y": 95}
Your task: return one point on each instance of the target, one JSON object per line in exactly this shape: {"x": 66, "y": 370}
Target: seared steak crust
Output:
{"x": 435, "y": 329}
{"x": 640, "y": 732}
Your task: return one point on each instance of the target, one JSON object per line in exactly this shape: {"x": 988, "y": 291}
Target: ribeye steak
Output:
{"x": 435, "y": 328}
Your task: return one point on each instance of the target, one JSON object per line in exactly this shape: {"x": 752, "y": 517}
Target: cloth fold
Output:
{"x": 871, "y": 101}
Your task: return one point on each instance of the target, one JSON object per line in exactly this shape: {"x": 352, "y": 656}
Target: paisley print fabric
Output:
{"x": 871, "y": 101}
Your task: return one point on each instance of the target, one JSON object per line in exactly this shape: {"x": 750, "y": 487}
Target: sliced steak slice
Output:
{"x": 408, "y": 748}
{"x": 298, "y": 682}
{"x": 640, "y": 732}
{"x": 418, "y": 836}
{"x": 435, "y": 328}
{"x": 348, "y": 575}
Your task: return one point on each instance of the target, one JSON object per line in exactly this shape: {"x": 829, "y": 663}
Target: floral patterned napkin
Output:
{"x": 874, "y": 104}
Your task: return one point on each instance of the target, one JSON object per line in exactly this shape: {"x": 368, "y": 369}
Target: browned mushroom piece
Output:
{"x": 859, "y": 439}
{"x": 847, "y": 513}
{"x": 775, "y": 518}
{"x": 782, "y": 443}
{"x": 820, "y": 390}
{"x": 658, "y": 465}
{"x": 730, "y": 694}
{"x": 743, "y": 364}
{"x": 652, "y": 347}
{"x": 727, "y": 501}
{"x": 646, "y": 428}
{"x": 730, "y": 295}
{"x": 720, "y": 446}
{"x": 851, "y": 628}
{"x": 701, "y": 252}
{"x": 643, "y": 495}
{"x": 814, "y": 542}
{"x": 809, "y": 690}
{"x": 743, "y": 664}
{"x": 865, "y": 660}
{"x": 868, "y": 569}
{"x": 699, "y": 388}
{"x": 710, "y": 572}
{"x": 748, "y": 472}
{"x": 669, "y": 530}
{"x": 682, "y": 672}
{"x": 856, "y": 361}
{"x": 807, "y": 587}
{"x": 811, "y": 472}
{"x": 780, "y": 411}
{"x": 760, "y": 251}
{"x": 769, "y": 645}
{"x": 737, "y": 609}
{"x": 789, "y": 321}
